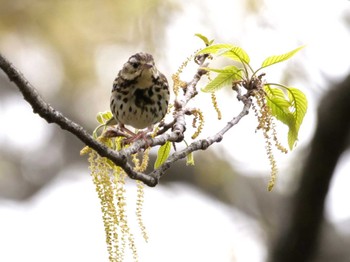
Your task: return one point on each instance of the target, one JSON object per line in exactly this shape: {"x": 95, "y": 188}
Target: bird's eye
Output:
{"x": 135, "y": 64}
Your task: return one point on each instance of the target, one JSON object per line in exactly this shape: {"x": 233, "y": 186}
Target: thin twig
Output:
{"x": 202, "y": 144}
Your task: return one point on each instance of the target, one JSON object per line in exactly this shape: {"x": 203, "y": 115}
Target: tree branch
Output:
{"x": 203, "y": 144}
{"x": 51, "y": 115}
{"x": 178, "y": 125}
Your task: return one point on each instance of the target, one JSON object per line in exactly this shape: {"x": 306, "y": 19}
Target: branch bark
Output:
{"x": 119, "y": 158}
{"x": 299, "y": 240}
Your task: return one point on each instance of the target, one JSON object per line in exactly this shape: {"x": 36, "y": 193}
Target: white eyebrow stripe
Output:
{"x": 133, "y": 60}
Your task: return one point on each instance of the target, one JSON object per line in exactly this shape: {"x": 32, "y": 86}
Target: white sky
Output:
{"x": 63, "y": 223}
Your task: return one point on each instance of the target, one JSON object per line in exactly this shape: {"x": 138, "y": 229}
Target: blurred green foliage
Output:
{"x": 74, "y": 29}
{"x": 60, "y": 42}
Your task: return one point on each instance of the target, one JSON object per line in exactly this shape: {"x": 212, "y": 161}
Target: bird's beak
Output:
{"x": 147, "y": 66}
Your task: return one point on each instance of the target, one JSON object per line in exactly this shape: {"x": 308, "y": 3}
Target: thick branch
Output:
{"x": 47, "y": 112}
{"x": 120, "y": 158}
{"x": 300, "y": 239}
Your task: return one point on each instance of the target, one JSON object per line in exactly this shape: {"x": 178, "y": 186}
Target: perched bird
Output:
{"x": 140, "y": 93}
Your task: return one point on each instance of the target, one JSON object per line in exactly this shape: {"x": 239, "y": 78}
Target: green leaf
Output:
{"x": 227, "y": 50}
{"x": 220, "y": 81}
{"x": 279, "y": 58}
{"x": 107, "y": 115}
{"x": 279, "y": 104}
{"x": 227, "y": 69}
{"x": 292, "y": 137}
{"x": 225, "y": 78}
{"x": 214, "y": 49}
{"x": 288, "y": 107}
{"x": 99, "y": 118}
{"x": 298, "y": 109}
{"x": 238, "y": 54}
{"x": 278, "y": 97}
{"x": 205, "y": 39}
{"x": 103, "y": 117}
{"x": 163, "y": 154}
{"x": 94, "y": 133}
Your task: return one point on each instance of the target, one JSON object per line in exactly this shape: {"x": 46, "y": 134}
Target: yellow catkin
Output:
{"x": 136, "y": 161}
{"x": 104, "y": 188}
{"x": 194, "y": 121}
{"x": 145, "y": 160}
{"x": 109, "y": 182}
{"x": 85, "y": 150}
{"x": 278, "y": 145}
{"x": 178, "y": 83}
{"x": 139, "y": 209}
{"x": 266, "y": 124}
{"x": 197, "y": 115}
{"x": 215, "y": 104}
{"x": 271, "y": 158}
{"x": 140, "y": 192}
{"x": 126, "y": 234}
{"x": 273, "y": 177}
{"x": 156, "y": 129}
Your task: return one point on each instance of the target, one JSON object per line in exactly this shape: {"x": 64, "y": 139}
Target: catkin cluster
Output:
{"x": 109, "y": 181}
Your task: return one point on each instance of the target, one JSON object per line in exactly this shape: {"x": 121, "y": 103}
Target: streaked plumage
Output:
{"x": 140, "y": 93}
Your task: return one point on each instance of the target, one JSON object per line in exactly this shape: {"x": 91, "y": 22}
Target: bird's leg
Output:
{"x": 121, "y": 130}
{"x": 142, "y": 134}
{"x": 130, "y": 137}
{"x": 127, "y": 131}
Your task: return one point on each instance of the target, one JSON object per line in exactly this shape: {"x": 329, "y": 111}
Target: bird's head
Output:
{"x": 140, "y": 65}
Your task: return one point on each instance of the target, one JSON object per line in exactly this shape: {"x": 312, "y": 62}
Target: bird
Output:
{"x": 140, "y": 94}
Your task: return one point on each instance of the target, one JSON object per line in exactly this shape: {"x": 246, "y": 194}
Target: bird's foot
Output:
{"x": 142, "y": 134}
{"x": 129, "y": 136}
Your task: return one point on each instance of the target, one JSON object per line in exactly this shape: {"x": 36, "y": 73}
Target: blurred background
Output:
{"x": 218, "y": 210}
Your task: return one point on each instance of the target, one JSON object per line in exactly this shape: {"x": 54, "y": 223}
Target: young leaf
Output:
{"x": 279, "y": 105}
{"x": 238, "y": 54}
{"x": 99, "y": 118}
{"x": 205, "y": 39}
{"x": 103, "y": 117}
{"x": 279, "y": 58}
{"x": 292, "y": 137}
{"x": 298, "y": 109}
{"x": 214, "y": 49}
{"x": 95, "y": 132}
{"x": 107, "y": 115}
{"x": 227, "y": 69}
{"x": 288, "y": 108}
{"x": 280, "y": 113}
{"x": 227, "y": 50}
{"x": 223, "y": 79}
{"x": 163, "y": 154}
